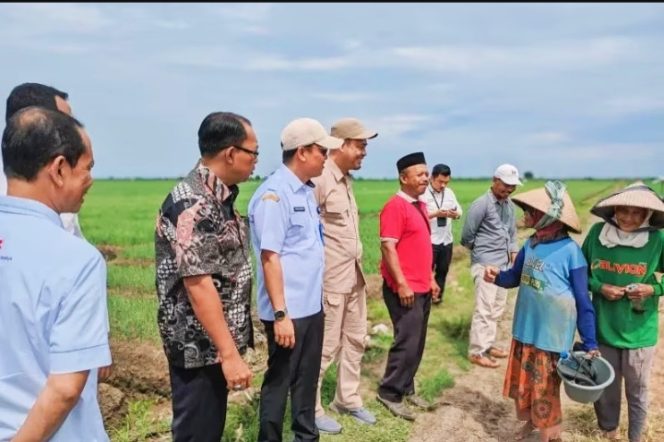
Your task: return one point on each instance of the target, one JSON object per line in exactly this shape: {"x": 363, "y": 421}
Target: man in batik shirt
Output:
{"x": 203, "y": 276}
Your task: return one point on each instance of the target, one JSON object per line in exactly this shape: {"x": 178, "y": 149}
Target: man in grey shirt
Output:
{"x": 490, "y": 233}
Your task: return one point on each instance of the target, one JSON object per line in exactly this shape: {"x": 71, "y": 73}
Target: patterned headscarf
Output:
{"x": 555, "y": 190}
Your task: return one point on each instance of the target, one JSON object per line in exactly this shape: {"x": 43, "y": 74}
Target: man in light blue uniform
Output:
{"x": 287, "y": 237}
{"x": 53, "y": 314}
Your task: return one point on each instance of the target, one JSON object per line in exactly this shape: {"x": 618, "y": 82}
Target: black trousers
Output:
{"x": 442, "y": 257}
{"x": 199, "y": 403}
{"x": 296, "y": 371}
{"x": 410, "y": 332}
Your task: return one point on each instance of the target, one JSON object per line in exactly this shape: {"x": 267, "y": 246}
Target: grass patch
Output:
{"x": 139, "y": 251}
{"x": 242, "y": 422}
{"x": 133, "y": 318}
{"x": 132, "y": 278}
{"x": 387, "y": 429}
{"x": 377, "y": 311}
{"x": 329, "y": 385}
{"x": 140, "y": 424}
{"x": 432, "y": 387}
{"x": 377, "y": 348}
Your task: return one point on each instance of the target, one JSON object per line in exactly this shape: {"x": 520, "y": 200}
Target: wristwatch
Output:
{"x": 279, "y": 315}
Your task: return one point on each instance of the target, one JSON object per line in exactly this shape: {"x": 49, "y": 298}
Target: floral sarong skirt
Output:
{"x": 532, "y": 381}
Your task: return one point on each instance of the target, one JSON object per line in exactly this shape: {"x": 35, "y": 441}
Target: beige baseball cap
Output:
{"x": 306, "y": 131}
{"x": 352, "y": 128}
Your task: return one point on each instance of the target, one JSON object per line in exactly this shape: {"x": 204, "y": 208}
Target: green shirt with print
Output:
{"x": 617, "y": 324}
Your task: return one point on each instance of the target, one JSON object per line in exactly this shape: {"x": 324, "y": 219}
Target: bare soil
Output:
{"x": 475, "y": 409}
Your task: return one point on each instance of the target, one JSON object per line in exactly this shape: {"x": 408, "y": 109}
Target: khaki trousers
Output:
{"x": 489, "y": 307}
{"x": 343, "y": 341}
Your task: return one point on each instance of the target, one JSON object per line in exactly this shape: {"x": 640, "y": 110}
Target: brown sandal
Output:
{"x": 483, "y": 361}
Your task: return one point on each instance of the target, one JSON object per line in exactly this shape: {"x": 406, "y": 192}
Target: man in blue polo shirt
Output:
{"x": 53, "y": 314}
{"x": 287, "y": 237}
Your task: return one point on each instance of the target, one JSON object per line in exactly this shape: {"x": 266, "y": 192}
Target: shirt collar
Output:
{"x": 432, "y": 190}
{"x": 292, "y": 180}
{"x": 495, "y": 200}
{"x": 336, "y": 171}
{"x": 407, "y": 197}
{"x": 25, "y": 206}
{"x": 213, "y": 184}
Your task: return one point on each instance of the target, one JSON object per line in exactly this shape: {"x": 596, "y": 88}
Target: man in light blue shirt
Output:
{"x": 53, "y": 314}
{"x": 288, "y": 241}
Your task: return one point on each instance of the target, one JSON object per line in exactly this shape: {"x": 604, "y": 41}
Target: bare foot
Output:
{"x": 611, "y": 435}
{"x": 524, "y": 431}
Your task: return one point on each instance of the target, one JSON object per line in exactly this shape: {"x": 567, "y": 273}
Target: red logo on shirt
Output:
{"x": 1, "y": 241}
{"x": 639, "y": 269}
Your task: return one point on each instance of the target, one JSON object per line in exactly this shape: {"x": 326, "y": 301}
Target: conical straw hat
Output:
{"x": 538, "y": 199}
{"x": 634, "y": 195}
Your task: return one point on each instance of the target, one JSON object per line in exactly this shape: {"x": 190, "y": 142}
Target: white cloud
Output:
{"x": 174, "y": 25}
{"x": 569, "y": 55}
{"x": 248, "y": 18}
{"x": 396, "y": 126}
{"x": 225, "y": 58}
{"x": 246, "y": 12}
{"x": 343, "y": 97}
{"x": 622, "y": 153}
{"x": 48, "y": 18}
{"x": 622, "y": 106}
{"x": 546, "y": 138}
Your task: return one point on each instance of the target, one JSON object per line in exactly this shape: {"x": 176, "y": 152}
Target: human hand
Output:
{"x": 435, "y": 290}
{"x": 284, "y": 332}
{"x": 406, "y": 295}
{"x": 612, "y": 292}
{"x": 104, "y": 373}
{"x": 490, "y": 273}
{"x": 594, "y": 353}
{"x": 453, "y": 213}
{"x": 639, "y": 291}
{"x": 236, "y": 372}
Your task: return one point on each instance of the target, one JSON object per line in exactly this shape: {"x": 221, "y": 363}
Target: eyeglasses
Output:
{"x": 249, "y": 151}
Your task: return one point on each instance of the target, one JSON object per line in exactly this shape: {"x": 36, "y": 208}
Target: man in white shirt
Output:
{"x": 443, "y": 207}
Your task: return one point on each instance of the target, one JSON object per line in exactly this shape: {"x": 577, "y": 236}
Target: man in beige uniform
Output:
{"x": 344, "y": 285}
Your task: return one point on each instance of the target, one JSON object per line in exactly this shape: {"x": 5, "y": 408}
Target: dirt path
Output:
{"x": 475, "y": 410}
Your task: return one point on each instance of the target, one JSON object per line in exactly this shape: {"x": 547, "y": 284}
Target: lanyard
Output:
{"x": 442, "y": 197}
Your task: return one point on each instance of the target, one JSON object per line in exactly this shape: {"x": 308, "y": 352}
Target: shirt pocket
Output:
{"x": 337, "y": 217}
{"x": 300, "y": 235}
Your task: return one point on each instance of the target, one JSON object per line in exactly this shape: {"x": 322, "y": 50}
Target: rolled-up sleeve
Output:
{"x": 79, "y": 336}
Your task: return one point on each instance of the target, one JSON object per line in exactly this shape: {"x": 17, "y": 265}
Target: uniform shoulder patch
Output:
{"x": 269, "y": 196}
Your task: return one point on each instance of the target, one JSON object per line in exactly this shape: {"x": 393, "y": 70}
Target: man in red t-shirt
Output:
{"x": 408, "y": 284}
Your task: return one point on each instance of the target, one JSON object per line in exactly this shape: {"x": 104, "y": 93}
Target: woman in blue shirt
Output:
{"x": 552, "y": 303}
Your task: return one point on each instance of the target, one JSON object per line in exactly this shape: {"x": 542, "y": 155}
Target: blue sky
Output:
{"x": 562, "y": 90}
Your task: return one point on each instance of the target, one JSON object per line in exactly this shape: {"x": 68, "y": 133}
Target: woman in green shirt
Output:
{"x": 623, "y": 253}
